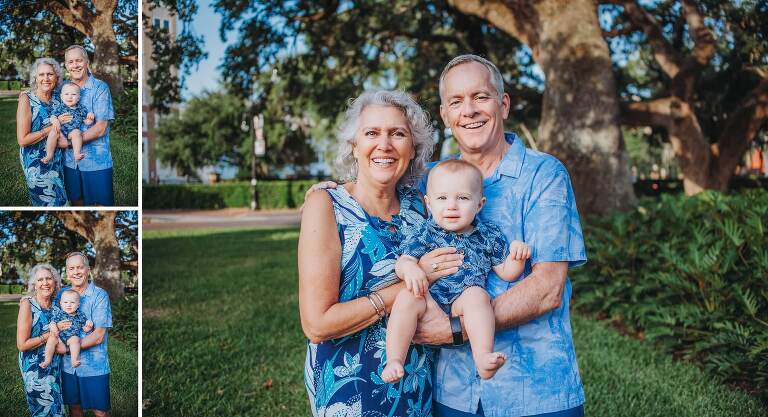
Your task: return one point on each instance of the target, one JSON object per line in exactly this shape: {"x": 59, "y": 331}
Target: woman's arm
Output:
{"x": 323, "y": 317}
{"x": 24, "y": 341}
{"x": 24, "y": 134}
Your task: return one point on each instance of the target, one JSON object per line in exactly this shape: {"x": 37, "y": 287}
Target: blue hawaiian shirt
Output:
{"x": 484, "y": 247}
{"x": 94, "y": 303}
{"x": 530, "y": 197}
{"x": 78, "y": 320}
{"x": 95, "y": 96}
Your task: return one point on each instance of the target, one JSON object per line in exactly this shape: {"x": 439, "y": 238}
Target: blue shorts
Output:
{"x": 443, "y": 411}
{"x": 93, "y": 188}
{"x": 89, "y": 392}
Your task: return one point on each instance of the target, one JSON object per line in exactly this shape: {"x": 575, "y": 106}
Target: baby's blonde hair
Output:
{"x": 458, "y": 165}
{"x": 75, "y": 293}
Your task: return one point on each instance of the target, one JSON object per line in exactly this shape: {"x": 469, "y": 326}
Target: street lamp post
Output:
{"x": 259, "y": 150}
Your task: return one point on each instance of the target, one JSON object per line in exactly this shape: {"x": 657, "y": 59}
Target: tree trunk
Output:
{"x": 580, "y": 113}
{"x": 99, "y": 229}
{"x": 106, "y": 59}
{"x": 98, "y": 27}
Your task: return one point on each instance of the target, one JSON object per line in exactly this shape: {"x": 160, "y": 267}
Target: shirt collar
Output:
{"x": 512, "y": 163}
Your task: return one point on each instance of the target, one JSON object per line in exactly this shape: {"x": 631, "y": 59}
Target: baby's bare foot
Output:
{"x": 46, "y": 159}
{"x": 80, "y": 156}
{"x": 75, "y": 363}
{"x": 393, "y": 371}
{"x": 45, "y": 364}
{"x": 490, "y": 363}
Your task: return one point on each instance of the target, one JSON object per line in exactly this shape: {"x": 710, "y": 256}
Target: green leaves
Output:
{"x": 690, "y": 275}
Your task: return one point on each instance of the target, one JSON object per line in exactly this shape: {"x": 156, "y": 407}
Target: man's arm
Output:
{"x": 539, "y": 293}
{"x": 96, "y": 131}
{"x": 94, "y": 338}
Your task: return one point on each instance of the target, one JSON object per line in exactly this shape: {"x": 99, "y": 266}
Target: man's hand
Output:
{"x": 88, "y": 326}
{"x": 317, "y": 187}
{"x": 90, "y": 118}
{"x": 440, "y": 263}
{"x": 433, "y": 328}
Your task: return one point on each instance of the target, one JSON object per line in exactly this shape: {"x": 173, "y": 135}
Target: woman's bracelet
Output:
{"x": 381, "y": 302}
{"x": 373, "y": 303}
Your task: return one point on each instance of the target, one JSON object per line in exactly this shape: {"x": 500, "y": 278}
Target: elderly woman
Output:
{"x": 42, "y": 386}
{"x": 45, "y": 181}
{"x": 347, "y": 252}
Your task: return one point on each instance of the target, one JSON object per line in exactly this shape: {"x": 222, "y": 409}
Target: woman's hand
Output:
{"x": 64, "y": 325}
{"x": 64, "y": 118}
{"x": 440, "y": 263}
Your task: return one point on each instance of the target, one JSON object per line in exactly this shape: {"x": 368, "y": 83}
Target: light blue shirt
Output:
{"x": 95, "y": 96}
{"x": 529, "y": 196}
{"x": 94, "y": 303}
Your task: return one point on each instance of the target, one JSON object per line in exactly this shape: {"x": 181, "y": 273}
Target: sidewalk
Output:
{"x": 10, "y": 297}
{"x": 222, "y": 218}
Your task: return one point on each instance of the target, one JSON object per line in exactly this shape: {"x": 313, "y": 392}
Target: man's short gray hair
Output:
{"x": 496, "y": 79}
{"x": 44, "y": 61}
{"x": 81, "y": 255}
{"x": 78, "y": 47}
{"x": 418, "y": 122}
{"x": 32, "y": 278}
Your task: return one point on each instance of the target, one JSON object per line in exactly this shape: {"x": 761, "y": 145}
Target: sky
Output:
{"x": 207, "y": 76}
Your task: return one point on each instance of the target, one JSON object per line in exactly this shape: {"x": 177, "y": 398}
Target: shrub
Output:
{"x": 688, "y": 274}
{"x": 125, "y": 319}
{"x": 126, "y": 116}
{"x": 272, "y": 194}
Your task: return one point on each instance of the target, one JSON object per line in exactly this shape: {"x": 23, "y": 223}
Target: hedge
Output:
{"x": 12, "y": 289}
{"x": 272, "y": 194}
{"x": 689, "y": 275}
{"x": 10, "y": 85}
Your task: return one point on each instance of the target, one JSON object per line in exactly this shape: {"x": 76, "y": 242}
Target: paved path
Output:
{"x": 10, "y": 297}
{"x": 224, "y": 218}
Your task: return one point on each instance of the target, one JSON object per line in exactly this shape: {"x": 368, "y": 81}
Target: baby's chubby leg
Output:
{"x": 74, "y": 349}
{"x": 400, "y": 329}
{"x": 50, "y": 146}
{"x": 475, "y": 305}
{"x": 77, "y": 143}
{"x": 50, "y": 348}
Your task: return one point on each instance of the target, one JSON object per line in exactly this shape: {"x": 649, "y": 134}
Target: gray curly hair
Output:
{"x": 418, "y": 122}
{"x": 44, "y": 61}
{"x": 32, "y": 278}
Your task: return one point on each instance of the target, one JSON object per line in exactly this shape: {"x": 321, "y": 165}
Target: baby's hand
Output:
{"x": 55, "y": 123}
{"x": 416, "y": 281}
{"x": 54, "y": 329}
{"x": 519, "y": 250}
{"x": 88, "y": 326}
{"x": 90, "y": 118}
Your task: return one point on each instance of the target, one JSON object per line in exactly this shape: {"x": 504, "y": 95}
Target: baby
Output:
{"x": 70, "y": 301}
{"x": 70, "y": 97}
{"x": 454, "y": 197}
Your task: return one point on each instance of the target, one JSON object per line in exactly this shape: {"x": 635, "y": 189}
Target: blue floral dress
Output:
{"x": 343, "y": 376}
{"x": 45, "y": 182}
{"x": 42, "y": 386}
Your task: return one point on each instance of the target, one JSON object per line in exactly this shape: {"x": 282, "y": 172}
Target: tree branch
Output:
{"x": 76, "y": 222}
{"x": 329, "y": 10}
{"x": 703, "y": 39}
{"x": 669, "y": 60}
{"x": 647, "y": 113}
{"x": 75, "y": 14}
{"x": 504, "y": 15}
{"x": 743, "y": 123}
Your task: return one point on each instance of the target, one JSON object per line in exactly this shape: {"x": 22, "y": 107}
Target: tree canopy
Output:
{"x": 108, "y": 29}
{"x": 109, "y": 239}
{"x": 602, "y": 66}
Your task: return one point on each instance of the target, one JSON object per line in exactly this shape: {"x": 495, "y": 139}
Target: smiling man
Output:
{"x": 529, "y": 196}
{"x": 86, "y": 387}
{"x": 89, "y": 181}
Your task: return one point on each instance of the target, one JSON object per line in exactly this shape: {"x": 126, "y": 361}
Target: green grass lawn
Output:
{"x": 123, "y": 360}
{"x": 222, "y": 337}
{"x": 13, "y": 190}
